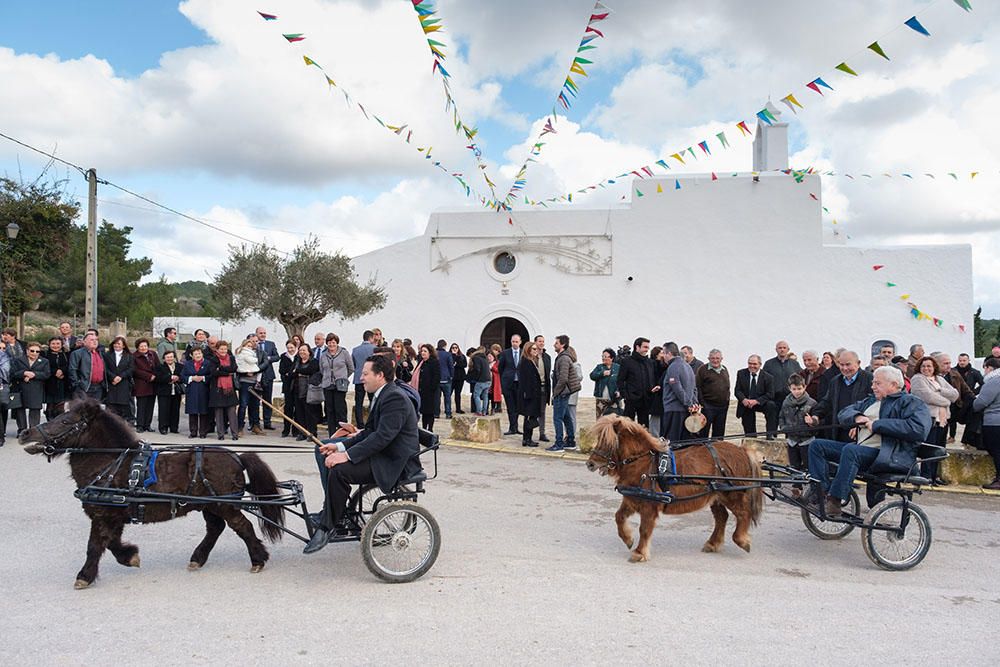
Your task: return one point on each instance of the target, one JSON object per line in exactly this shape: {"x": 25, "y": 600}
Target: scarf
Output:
{"x": 797, "y": 402}
{"x": 225, "y": 381}
{"x": 415, "y": 379}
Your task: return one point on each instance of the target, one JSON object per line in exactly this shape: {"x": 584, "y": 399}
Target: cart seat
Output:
{"x": 893, "y": 478}
{"x": 416, "y": 479}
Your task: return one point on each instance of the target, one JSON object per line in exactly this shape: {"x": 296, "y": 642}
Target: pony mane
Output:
{"x": 611, "y": 429}
{"x": 113, "y": 430}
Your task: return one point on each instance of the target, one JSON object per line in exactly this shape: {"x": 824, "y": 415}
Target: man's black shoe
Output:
{"x": 543, "y": 438}
{"x": 268, "y": 427}
{"x": 319, "y": 540}
{"x": 510, "y": 432}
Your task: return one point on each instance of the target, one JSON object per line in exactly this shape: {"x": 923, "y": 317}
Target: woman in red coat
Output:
{"x": 496, "y": 391}
{"x": 144, "y": 363}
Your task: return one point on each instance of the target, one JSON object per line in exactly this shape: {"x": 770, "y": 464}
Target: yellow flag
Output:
{"x": 659, "y": 188}
{"x": 575, "y": 67}
{"x": 904, "y": 297}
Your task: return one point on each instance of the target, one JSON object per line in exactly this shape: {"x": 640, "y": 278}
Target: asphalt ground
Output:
{"x": 530, "y": 570}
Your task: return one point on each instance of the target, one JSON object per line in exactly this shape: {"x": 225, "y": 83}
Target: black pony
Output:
{"x": 85, "y": 426}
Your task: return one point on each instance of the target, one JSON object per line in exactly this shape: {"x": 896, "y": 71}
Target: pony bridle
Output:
{"x": 51, "y": 442}
{"x": 612, "y": 463}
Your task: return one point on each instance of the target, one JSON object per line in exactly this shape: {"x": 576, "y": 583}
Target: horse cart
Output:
{"x": 400, "y": 539}
{"x": 655, "y": 478}
{"x": 895, "y": 531}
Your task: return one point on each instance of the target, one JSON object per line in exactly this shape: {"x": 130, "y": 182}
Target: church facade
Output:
{"x": 735, "y": 263}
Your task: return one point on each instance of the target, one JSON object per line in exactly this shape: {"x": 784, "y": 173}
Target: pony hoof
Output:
{"x": 80, "y": 584}
{"x": 134, "y": 561}
{"x": 192, "y": 566}
{"x": 745, "y": 547}
{"x": 256, "y": 568}
{"x": 710, "y": 548}
{"x": 637, "y": 558}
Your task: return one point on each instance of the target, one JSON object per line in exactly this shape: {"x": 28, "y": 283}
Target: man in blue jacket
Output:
{"x": 268, "y": 354}
{"x": 447, "y": 361}
{"x": 358, "y": 356}
{"x": 889, "y": 426}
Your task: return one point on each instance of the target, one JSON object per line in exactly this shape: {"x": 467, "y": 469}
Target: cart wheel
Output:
{"x": 833, "y": 530}
{"x": 400, "y": 542}
{"x": 889, "y": 549}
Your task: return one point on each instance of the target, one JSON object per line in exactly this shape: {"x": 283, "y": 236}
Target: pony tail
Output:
{"x": 263, "y": 483}
{"x": 757, "y": 494}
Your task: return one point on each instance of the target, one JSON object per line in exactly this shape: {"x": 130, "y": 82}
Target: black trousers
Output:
{"x": 170, "y": 413}
{"x": 266, "y": 392}
{"x": 749, "y": 418}
{"x": 305, "y": 414}
{"x": 510, "y": 399}
{"x": 672, "y": 426}
{"x": 771, "y": 413}
{"x": 456, "y": 388}
{"x": 32, "y": 418}
{"x": 638, "y": 410}
{"x": 198, "y": 425}
{"x": 289, "y": 410}
{"x": 427, "y": 421}
{"x": 359, "y": 401}
{"x": 937, "y": 436}
{"x": 336, "y": 408}
{"x": 716, "y": 416}
{"x": 991, "y": 443}
{"x": 144, "y": 411}
{"x": 338, "y": 489}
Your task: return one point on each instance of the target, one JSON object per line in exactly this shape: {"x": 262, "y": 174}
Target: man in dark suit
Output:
{"x": 269, "y": 352}
{"x": 69, "y": 340}
{"x": 754, "y": 392}
{"x": 382, "y": 453}
{"x": 850, "y": 386}
{"x": 546, "y": 386}
{"x": 507, "y": 365}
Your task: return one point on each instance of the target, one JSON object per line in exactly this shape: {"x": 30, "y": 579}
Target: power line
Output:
{"x": 137, "y": 195}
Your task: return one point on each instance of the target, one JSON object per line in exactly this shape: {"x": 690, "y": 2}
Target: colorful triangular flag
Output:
{"x": 876, "y": 267}
{"x": 844, "y": 67}
{"x": 294, "y": 36}
{"x": 914, "y": 24}
{"x": 874, "y": 46}
{"x": 267, "y": 17}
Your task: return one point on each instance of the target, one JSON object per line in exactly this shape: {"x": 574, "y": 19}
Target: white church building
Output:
{"x": 735, "y": 263}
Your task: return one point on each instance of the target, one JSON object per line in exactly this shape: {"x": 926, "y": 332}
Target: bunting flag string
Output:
{"x": 765, "y": 116}
{"x": 567, "y": 93}
{"x": 351, "y": 101}
{"x": 431, "y": 25}
{"x": 915, "y": 311}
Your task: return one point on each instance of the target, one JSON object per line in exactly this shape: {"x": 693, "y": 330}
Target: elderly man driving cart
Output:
{"x": 889, "y": 427}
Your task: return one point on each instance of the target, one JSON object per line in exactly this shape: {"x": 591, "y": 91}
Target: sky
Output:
{"x": 202, "y": 106}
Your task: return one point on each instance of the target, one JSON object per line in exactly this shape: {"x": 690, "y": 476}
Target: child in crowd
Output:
{"x": 794, "y": 409}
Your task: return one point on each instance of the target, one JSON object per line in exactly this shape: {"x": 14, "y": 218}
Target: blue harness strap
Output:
{"x": 151, "y": 478}
{"x": 666, "y": 465}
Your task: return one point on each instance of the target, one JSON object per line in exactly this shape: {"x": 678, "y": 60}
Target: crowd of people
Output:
{"x": 227, "y": 387}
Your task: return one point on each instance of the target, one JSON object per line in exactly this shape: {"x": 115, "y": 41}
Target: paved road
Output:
{"x": 530, "y": 570}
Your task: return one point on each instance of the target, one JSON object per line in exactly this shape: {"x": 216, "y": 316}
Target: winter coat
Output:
{"x": 32, "y": 391}
{"x": 164, "y": 387}
{"x": 938, "y": 399}
{"x": 285, "y": 366}
{"x": 636, "y": 377}
{"x": 988, "y": 400}
{"x": 529, "y": 388}
{"x": 565, "y": 380}
{"x": 121, "y": 393}
{"x": 430, "y": 385}
{"x": 458, "y": 376}
{"x": 678, "y": 388}
{"x": 301, "y": 372}
{"x": 604, "y": 382}
{"x": 792, "y": 417}
{"x": 903, "y": 423}
{"x": 479, "y": 369}
{"x": 447, "y": 363}
{"x": 144, "y": 373}
{"x": 57, "y": 390}
{"x": 840, "y": 394}
{"x": 196, "y": 396}
{"x": 496, "y": 389}
{"x": 334, "y": 366}
{"x": 218, "y": 368}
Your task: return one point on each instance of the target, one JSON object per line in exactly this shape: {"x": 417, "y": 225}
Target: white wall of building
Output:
{"x": 734, "y": 264}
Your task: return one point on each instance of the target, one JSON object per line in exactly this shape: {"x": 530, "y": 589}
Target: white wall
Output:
{"x": 733, "y": 264}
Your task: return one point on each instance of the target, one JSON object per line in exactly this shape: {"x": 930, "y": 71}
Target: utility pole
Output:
{"x": 90, "y": 302}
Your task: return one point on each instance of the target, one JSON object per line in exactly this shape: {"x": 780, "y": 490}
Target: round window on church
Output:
{"x": 504, "y": 263}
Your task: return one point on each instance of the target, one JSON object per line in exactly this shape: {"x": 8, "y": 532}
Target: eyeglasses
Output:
{"x": 35, "y": 350}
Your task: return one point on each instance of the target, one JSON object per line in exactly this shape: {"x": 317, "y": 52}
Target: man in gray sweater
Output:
{"x": 679, "y": 394}
{"x": 988, "y": 402}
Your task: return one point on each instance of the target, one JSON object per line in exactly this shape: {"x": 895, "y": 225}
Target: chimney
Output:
{"x": 770, "y": 144}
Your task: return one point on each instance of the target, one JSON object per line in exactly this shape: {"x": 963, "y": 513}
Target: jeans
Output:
{"x": 321, "y": 460}
{"x": 445, "y": 393}
{"x": 248, "y": 404}
{"x": 850, "y": 457}
{"x": 480, "y": 392}
{"x": 562, "y": 419}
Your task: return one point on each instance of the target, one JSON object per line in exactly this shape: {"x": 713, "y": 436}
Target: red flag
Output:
{"x": 877, "y": 267}
{"x": 593, "y": 29}
{"x": 813, "y": 196}
{"x": 813, "y": 86}
{"x": 510, "y": 220}
{"x": 714, "y": 177}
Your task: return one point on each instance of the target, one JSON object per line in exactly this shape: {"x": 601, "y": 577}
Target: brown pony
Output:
{"x": 626, "y": 451}
{"x": 86, "y": 426}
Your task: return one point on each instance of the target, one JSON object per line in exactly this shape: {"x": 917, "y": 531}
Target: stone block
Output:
{"x": 973, "y": 467}
{"x": 472, "y": 428}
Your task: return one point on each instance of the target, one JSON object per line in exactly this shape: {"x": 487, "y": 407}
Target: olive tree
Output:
{"x": 297, "y": 290}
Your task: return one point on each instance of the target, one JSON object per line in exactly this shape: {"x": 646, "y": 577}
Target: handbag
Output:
{"x": 5, "y": 395}
{"x": 314, "y": 394}
{"x": 341, "y": 384}
{"x": 14, "y": 400}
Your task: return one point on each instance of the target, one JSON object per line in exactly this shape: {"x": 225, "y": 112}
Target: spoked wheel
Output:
{"x": 833, "y": 530}
{"x": 400, "y": 542}
{"x": 896, "y": 549}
